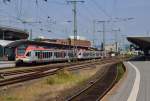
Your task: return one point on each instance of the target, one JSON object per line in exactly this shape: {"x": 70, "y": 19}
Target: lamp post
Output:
{"x": 3, "y": 46}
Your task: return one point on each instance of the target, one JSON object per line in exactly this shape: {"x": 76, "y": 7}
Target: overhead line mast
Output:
{"x": 75, "y": 31}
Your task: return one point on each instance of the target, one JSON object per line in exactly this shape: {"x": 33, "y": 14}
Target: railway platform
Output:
{"x": 7, "y": 64}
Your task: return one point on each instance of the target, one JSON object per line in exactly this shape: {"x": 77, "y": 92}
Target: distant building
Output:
{"x": 69, "y": 41}
{"x": 110, "y": 47}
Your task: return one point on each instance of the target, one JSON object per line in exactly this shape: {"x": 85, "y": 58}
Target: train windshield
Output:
{"x": 21, "y": 49}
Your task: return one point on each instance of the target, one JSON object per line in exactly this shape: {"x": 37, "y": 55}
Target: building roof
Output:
{"x": 22, "y": 42}
{"x": 13, "y": 33}
{"x": 142, "y": 42}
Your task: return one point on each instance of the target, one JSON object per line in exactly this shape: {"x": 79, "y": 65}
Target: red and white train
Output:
{"x": 38, "y": 54}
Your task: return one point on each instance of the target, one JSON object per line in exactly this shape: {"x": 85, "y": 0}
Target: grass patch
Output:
{"x": 11, "y": 98}
{"x": 49, "y": 87}
{"x": 63, "y": 77}
{"x": 120, "y": 70}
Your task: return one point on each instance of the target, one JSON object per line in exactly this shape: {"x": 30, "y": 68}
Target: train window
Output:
{"x": 28, "y": 54}
{"x": 55, "y": 54}
{"x": 36, "y": 54}
{"x": 70, "y": 54}
{"x": 61, "y": 54}
{"x": 47, "y": 55}
{"x": 58, "y": 54}
{"x": 21, "y": 49}
{"x": 64, "y": 54}
{"x": 50, "y": 54}
{"x": 42, "y": 54}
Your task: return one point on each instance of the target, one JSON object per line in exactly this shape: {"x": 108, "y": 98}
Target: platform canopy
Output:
{"x": 142, "y": 42}
{"x": 8, "y": 33}
{"x": 5, "y": 42}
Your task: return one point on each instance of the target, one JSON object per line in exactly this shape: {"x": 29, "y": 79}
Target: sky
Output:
{"x": 55, "y": 14}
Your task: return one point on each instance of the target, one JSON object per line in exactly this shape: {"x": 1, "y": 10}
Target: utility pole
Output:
{"x": 103, "y": 24}
{"x": 147, "y": 34}
{"x": 123, "y": 42}
{"x": 94, "y": 22}
{"x": 30, "y": 38}
{"x": 75, "y": 31}
{"x": 116, "y": 38}
{"x": 3, "y": 46}
{"x": 103, "y": 35}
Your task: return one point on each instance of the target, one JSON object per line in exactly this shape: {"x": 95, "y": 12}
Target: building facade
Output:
{"x": 83, "y": 43}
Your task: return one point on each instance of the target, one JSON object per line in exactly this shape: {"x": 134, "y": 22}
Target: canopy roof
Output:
{"x": 142, "y": 42}
{"x": 9, "y": 33}
{"x": 4, "y": 43}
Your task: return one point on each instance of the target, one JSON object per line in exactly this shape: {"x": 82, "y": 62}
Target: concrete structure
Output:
{"x": 135, "y": 86}
{"x": 4, "y": 64}
{"x": 142, "y": 43}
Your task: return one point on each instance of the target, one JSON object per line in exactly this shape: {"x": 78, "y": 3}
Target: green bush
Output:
{"x": 120, "y": 70}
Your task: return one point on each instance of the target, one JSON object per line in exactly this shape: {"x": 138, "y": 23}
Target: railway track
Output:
{"x": 44, "y": 68}
{"x": 98, "y": 88}
{"x": 36, "y": 73}
{"x": 37, "y": 68}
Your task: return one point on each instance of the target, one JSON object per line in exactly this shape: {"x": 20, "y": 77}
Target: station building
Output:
{"x": 9, "y": 35}
{"x": 71, "y": 42}
{"x": 12, "y": 34}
